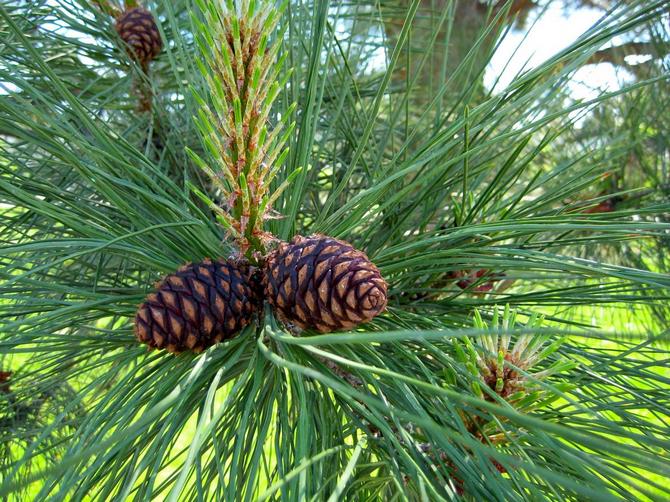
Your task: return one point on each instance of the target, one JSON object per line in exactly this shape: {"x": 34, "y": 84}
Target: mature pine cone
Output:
{"x": 322, "y": 283}
{"x": 138, "y": 30}
{"x": 196, "y": 307}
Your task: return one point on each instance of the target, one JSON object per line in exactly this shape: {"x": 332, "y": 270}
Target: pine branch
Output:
{"x": 92, "y": 215}
{"x": 617, "y": 55}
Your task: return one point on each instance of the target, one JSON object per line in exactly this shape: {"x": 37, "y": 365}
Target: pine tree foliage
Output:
{"x": 467, "y": 200}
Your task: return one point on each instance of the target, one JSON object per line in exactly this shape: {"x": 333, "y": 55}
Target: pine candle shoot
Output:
{"x": 243, "y": 74}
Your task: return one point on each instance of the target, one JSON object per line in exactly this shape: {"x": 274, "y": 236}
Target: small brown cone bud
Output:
{"x": 5, "y": 377}
{"x": 323, "y": 283}
{"x": 138, "y": 30}
{"x": 199, "y": 305}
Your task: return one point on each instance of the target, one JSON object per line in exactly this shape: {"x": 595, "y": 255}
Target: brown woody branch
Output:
{"x": 617, "y": 55}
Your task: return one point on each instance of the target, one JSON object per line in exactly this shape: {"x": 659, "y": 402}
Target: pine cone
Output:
{"x": 138, "y": 30}
{"x": 322, "y": 283}
{"x": 196, "y": 307}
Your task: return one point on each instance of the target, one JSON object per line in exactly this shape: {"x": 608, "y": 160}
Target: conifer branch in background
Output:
{"x": 137, "y": 29}
{"x": 243, "y": 77}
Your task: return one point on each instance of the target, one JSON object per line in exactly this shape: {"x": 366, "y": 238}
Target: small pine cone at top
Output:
{"x": 137, "y": 28}
{"x": 322, "y": 283}
{"x": 199, "y": 305}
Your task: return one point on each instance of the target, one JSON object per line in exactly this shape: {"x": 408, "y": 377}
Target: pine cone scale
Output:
{"x": 169, "y": 299}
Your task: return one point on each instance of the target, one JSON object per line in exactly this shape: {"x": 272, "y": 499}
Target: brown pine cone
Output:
{"x": 138, "y": 30}
{"x": 5, "y": 377}
{"x": 323, "y": 283}
{"x": 196, "y": 307}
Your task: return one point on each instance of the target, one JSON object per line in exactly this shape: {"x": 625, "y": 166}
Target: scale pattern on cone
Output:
{"x": 199, "y": 305}
{"x": 323, "y": 283}
{"x": 138, "y": 30}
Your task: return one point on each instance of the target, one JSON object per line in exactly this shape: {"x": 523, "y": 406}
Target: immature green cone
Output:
{"x": 199, "y": 305}
{"x": 323, "y": 283}
{"x": 137, "y": 28}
